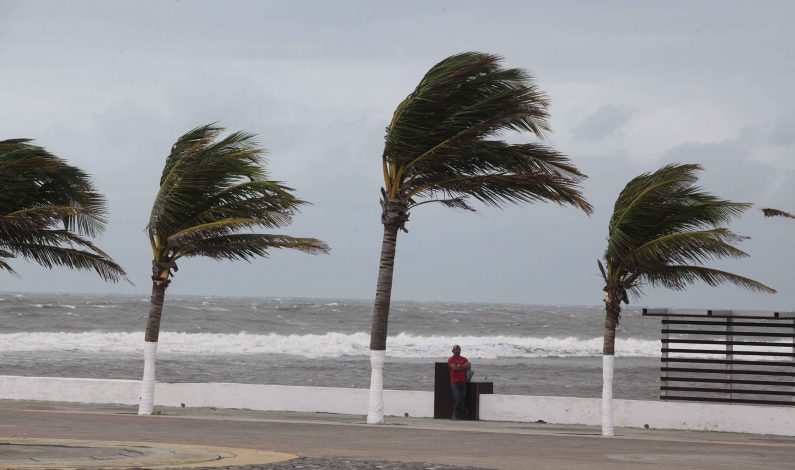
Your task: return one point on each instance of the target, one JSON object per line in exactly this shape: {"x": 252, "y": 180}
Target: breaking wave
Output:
{"x": 328, "y": 345}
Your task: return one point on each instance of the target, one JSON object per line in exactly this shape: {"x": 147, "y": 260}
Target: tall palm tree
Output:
{"x": 211, "y": 189}
{"x": 49, "y": 210}
{"x": 442, "y": 146}
{"x": 663, "y": 229}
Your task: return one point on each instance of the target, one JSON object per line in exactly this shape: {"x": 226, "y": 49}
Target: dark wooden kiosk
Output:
{"x": 443, "y": 398}
{"x": 727, "y": 356}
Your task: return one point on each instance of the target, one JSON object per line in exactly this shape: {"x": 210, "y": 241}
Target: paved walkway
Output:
{"x": 33, "y": 432}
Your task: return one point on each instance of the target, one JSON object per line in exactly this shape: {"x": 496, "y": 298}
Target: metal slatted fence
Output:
{"x": 727, "y": 357}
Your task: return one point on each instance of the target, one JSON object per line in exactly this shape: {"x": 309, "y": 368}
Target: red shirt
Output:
{"x": 457, "y": 375}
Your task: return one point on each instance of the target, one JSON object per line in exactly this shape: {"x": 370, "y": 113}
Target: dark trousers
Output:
{"x": 459, "y": 390}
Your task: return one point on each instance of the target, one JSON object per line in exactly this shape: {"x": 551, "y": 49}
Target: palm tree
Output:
{"x": 48, "y": 212}
{"x": 211, "y": 189}
{"x": 442, "y": 146}
{"x": 663, "y": 229}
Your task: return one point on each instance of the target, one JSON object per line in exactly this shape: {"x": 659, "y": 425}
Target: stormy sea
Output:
{"x": 550, "y": 350}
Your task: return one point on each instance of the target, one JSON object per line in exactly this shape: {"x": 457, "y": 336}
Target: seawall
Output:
{"x": 774, "y": 420}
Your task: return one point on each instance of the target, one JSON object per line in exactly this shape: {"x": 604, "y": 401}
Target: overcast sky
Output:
{"x": 633, "y": 85}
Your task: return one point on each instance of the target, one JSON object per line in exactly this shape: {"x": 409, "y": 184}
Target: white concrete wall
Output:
{"x": 287, "y": 398}
{"x": 125, "y": 392}
{"x": 557, "y": 410}
{"x": 219, "y": 395}
{"x": 753, "y": 419}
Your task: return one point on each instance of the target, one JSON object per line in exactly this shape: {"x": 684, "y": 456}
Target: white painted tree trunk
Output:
{"x": 147, "y": 403}
{"x": 375, "y": 409}
{"x": 607, "y": 395}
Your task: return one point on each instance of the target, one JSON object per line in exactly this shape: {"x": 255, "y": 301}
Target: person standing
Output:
{"x": 458, "y": 365}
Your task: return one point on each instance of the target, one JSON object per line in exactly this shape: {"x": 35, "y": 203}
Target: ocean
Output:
{"x": 552, "y": 350}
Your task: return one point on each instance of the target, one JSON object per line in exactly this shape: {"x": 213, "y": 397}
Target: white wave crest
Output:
{"x": 334, "y": 345}
{"x": 72, "y": 307}
{"x": 328, "y": 345}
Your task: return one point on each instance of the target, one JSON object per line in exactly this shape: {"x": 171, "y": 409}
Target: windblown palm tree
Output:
{"x": 442, "y": 146}
{"x": 663, "y": 229}
{"x": 212, "y": 189}
{"x": 48, "y": 211}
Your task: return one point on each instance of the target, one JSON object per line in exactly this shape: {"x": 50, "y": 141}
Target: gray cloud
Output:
{"x": 110, "y": 86}
{"x": 784, "y": 131}
{"x": 729, "y": 166}
{"x": 603, "y": 122}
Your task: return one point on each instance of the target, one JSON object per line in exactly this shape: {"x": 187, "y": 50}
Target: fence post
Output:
{"x": 729, "y": 353}
{"x": 664, "y": 345}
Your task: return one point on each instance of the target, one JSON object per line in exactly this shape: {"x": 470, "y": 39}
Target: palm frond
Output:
{"x": 18, "y": 227}
{"x": 678, "y": 277}
{"x": 454, "y": 203}
{"x": 47, "y": 207}
{"x": 683, "y": 247}
{"x": 664, "y": 227}
{"x": 212, "y": 187}
{"x": 602, "y": 270}
{"x": 28, "y": 221}
{"x": 50, "y": 256}
{"x": 665, "y": 202}
{"x": 199, "y": 167}
{"x": 57, "y": 237}
{"x": 777, "y": 213}
{"x": 463, "y": 96}
{"x": 269, "y": 202}
{"x": 3, "y": 264}
{"x": 246, "y": 247}
{"x": 443, "y": 132}
{"x": 211, "y": 229}
{"x": 500, "y": 189}
{"x": 31, "y": 177}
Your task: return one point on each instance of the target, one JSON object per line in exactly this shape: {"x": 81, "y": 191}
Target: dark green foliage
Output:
{"x": 663, "y": 229}
{"x": 213, "y": 188}
{"x": 48, "y": 211}
{"x": 442, "y": 142}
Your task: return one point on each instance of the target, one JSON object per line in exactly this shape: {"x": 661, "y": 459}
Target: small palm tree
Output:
{"x": 663, "y": 229}
{"x": 442, "y": 146}
{"x": 211, "y": 189}
{"x": 48, "y": 211}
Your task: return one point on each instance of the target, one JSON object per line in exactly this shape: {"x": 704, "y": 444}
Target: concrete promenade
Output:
{"x": 33, "y": 432}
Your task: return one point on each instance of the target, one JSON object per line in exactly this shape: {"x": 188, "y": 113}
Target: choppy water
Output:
{"x": 523, "y": 349}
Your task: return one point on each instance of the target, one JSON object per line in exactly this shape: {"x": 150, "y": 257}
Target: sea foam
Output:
{"x": 328, "y": 345}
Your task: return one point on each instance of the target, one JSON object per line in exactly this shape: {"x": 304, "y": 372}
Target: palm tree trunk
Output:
{"x": 393, "y": 218}
{"x": 146, "y": 405}
{"x": 608, "y": 354}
